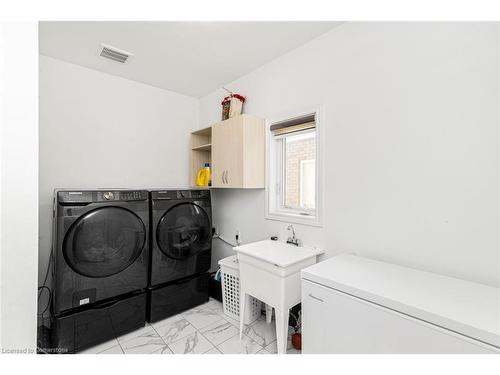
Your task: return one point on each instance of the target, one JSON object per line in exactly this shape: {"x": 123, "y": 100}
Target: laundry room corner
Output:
{"x": 99, "y": 130}
{"x": 18, "y": 186}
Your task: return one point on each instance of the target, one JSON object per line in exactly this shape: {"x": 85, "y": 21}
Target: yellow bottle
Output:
{"x": 204, "y": 176}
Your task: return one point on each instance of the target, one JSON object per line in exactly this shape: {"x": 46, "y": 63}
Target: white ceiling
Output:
{"x": 192, "y": 58}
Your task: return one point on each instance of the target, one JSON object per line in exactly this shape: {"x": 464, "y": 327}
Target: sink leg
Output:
{"x": 281, "y": 329}
{"x": 243, "y": 298}
{"x": 269, "y": 313}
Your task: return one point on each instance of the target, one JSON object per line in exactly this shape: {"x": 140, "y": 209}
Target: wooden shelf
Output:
{"x": 207, "y": 132}
{"x": 205, "y": 147}
{"x": 201, "y": 151}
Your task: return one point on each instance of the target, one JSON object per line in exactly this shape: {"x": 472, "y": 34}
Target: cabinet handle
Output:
{"x": 316, "y": 298}
{"x": 227, "y": 174}
{"x": 224, "y": 177}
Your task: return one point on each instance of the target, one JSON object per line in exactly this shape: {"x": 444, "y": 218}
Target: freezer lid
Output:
{"x": 468, "y": 308}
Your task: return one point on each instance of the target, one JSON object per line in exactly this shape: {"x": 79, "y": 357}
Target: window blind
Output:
{"x": 294, "y": 125}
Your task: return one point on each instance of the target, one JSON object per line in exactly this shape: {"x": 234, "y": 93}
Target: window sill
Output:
{"x": 294, "y": 219}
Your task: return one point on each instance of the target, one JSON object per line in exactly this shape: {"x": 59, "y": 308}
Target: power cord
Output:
{"x": 219, "y": 237}
{"x": 40, "y": 289}
{"x": 44, "y": 286}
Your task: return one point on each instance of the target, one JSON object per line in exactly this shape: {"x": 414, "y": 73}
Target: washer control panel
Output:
{"x": 89, "y": 196}
{"x": 133, "y": 195}
{"x": 121, "y": 195}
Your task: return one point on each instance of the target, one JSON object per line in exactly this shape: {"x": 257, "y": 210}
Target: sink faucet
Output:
{"x": 293, "y": 240}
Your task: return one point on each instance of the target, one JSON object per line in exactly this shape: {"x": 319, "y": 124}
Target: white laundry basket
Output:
{"x": 230, "y": 276}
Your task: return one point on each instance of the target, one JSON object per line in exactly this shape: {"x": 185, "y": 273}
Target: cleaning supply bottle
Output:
{"x": 208, "y": 174}
{"x": 204, "y": 177}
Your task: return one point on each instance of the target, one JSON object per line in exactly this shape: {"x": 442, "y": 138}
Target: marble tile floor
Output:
{"x": 204, "y": 329}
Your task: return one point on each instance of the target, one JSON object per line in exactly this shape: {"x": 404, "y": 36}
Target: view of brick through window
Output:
{"x": 300, "y": 170}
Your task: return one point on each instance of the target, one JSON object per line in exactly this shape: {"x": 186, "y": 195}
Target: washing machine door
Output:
{"x": 104, "y": 242}
{"x": 184, "y": 231}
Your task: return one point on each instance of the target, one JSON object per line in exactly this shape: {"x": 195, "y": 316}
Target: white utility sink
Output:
{"x": 278, "y": 253}
{"x": 270, "y": 272}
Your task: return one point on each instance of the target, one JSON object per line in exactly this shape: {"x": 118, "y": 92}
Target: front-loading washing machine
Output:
{"x": 101, "y": 259}
{"x": 181, "y": 247}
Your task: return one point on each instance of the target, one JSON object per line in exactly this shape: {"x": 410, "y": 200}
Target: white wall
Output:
{"x": 18, "y": 185}
{"x": 410, "y": 137}
{"x": 99, "y": 130}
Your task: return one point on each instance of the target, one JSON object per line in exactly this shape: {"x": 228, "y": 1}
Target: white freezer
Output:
{"x": 352, "y": 304}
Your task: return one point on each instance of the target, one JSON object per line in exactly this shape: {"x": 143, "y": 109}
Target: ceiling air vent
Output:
{"x": 115, "y": 54}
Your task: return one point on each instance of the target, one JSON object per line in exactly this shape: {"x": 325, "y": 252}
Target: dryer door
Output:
{"x": 104, "y": 242}
{"x": 184, "y": 231}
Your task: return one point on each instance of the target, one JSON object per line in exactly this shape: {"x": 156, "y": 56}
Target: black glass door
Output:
{"x": 184, "y": 231}
{"x": 104, "y": 242}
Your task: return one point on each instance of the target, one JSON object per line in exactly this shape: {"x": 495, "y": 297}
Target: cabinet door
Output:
{"x": 227, "y": 153}
{"x": 335, "y": 322}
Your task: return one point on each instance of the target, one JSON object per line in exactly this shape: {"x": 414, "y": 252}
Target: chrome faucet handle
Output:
{"x": 293, "y": 240}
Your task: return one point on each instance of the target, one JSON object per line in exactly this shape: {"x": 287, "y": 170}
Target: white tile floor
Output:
{"x": 202, "y": 330}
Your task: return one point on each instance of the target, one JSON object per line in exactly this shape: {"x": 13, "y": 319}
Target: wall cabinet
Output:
{"x": 235, "y": 148}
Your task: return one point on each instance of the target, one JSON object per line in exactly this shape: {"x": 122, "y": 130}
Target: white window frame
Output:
{"x": 275, "y": 176}
{"x": 301, "y": 174}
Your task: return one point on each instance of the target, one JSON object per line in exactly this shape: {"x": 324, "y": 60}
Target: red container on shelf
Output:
{"x": 297, "y": 341}
{"x": 232, "y": 106}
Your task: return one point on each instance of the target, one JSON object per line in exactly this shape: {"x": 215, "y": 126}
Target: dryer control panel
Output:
{"x": 180, "y": 194}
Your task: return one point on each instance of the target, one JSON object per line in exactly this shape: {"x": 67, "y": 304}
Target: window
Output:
{"x": 293, "y": 170}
